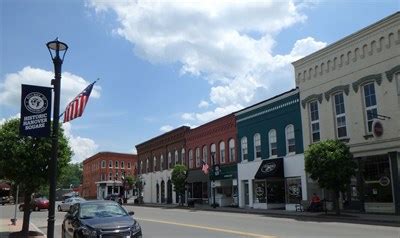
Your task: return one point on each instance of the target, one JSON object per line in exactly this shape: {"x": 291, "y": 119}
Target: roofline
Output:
{"x": 213, "y": 121}
{"x": 99, "y": 154}
{"x": 162, "y": 135}
{"x": 345, "y": 39}
{"x": 268, "y": 101}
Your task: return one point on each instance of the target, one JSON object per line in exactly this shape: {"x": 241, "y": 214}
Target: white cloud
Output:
{"x": 166, "y": 128}
{"x": 3, "y": 120}
{"x": 134, "y": 150}
{"x": 230, "y": 44}
{"x": 71, "y": 85}
{"x": 83, "y": 148}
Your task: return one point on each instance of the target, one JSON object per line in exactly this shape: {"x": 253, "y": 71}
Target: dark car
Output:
{"x": 99, "y": 218}
{"x": 37, "y": 204}
{"x": 114, "y": 197}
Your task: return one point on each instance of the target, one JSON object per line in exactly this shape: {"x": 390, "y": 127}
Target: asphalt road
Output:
{"x": 163, "y": 222}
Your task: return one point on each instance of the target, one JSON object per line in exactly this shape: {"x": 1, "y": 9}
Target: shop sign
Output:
{"x": 377, "y": 128}
{"x": 270, "y": 168}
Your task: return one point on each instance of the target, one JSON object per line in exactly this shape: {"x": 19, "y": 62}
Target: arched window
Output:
{"x": 244, "y": 148}
{"x": 183, "y": 158}
{"x": 197, "y": 157}
{"x": 116, "y": 164}
{"x": 122, "y": 164}
{"x": 141, "y": 167}
{"x": 290, "y": 140}
{"x": 231, "y": 150}
{"x": 154, "y": 164}
{"x": 129, "y": 165}
{"x": 190, "y": 159}
{"x": 110, "y": 176}
{"x": 161, "y": 163}
{"x": 147, "y": 165}
{"x": 110, "y": 164}
{"x": 273, "y": 148}
{"x": 222, "y": 152}
{"x": 213, "y": 150}
{"x": 257, "y": 146}
{"x": 169, "y": 160}
{"x": 205, "y": 154}
{"x": 176, "y": 157}
{"x": 103, "y": 164}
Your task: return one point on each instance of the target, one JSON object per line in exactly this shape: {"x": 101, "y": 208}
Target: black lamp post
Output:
{"x": 55, "y": 47}
{"x": 213, "y": 177}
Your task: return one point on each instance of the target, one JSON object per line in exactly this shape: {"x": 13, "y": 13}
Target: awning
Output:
{"x": 196, "y": 176}
{"x": 270, "y": 168}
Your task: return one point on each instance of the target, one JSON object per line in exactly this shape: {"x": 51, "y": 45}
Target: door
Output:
{"x": 169, "y": 191}
{"x": 246, "y": 193}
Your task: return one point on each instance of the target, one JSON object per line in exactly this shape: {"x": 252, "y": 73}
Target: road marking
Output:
{"x": 209, "y": 228}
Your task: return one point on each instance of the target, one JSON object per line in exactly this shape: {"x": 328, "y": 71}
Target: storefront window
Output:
{"x": 377, "y": 176}
{"x": 293, "y": 190}
{"x": 276, "y": 191}
{"x": 259, "y": 192}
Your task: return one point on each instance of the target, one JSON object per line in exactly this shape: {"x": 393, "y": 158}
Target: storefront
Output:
{"x": 197, "y": 187}
{"x": 225, "y": 185}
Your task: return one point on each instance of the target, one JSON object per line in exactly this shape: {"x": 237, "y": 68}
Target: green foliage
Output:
{"x": 71, "y": 174}
{"x": 178, "y": 178}
{"x": 25, "y": 160}
{"x": 330, "y": 163}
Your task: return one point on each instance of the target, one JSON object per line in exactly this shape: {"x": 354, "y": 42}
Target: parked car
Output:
{"x": 114, "y": 197}
{"x": 99, "y": 218}
{"x": 37, "y": 204}
{"x": 65, "y": 205}
{"x": 6, "y": 199}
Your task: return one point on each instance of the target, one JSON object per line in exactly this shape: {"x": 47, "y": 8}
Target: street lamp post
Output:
{"x": 55, "y": 47}
{"x": 213, "y": 177}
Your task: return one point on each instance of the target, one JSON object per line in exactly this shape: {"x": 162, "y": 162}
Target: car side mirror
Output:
{"x": 131, "y": 213}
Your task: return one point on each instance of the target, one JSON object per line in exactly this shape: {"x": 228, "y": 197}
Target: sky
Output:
{"x": 164, "y": 64}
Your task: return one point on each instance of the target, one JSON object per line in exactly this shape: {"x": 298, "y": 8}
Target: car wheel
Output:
{"x": 62, "y": 232}
{"x": 59, "y": 208}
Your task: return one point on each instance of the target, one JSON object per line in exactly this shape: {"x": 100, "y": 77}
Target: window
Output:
{"x": 110, "y": 176}
{"x": 314, "y": 121}
{"x": 290, "y": 140}
{"x": 122, "y": 164}
{"x": 116, "y": 164}
{"x": 190, "y": 159}
{"x": 231, "y": 150}
{"x": 213, "y": 150}
{"x": 176, "y": 157}
{"x": 340, "y": 115}
{"x": 197, "y": 157}
{"x": 147, "y": 165}
{"x": 116, "y": 175}
{"x": 244, "y": 148}
{"x": 222, "y": 152}
{"x": 129, "y": 165}
{"x": 205, "y": 154}
{"x": 257, "y": 146}
{"x": 103, "y": 176}
{"x": 169, "y": 160}
{"x": 273, "y": 149}
{"x": 110, "y": 163}
{"x": 141, "y": 167}
{"x": 293, "y": 190}
{"x": 371, "y": 109}
{"x": 183, "y": 158}
{"x": 161, "y": 163}
{"x": 154, "y": 164}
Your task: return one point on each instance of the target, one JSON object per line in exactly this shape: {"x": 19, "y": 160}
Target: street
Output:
{"x": 169, "y": 222}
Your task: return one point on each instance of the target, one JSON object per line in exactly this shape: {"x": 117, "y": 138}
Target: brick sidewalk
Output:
{"x": 6, "y": 228}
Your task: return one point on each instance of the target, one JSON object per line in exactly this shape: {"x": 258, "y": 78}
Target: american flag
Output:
{"x": 204, "y": 168}
{"x": 76, "y": 107}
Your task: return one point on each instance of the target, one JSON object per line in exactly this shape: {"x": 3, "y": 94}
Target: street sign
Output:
{"x": 35, "y": 111}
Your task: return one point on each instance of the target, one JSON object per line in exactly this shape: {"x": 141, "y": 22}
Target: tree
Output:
{"x": 71, "y": 174}
{"x": 330, "y": 163}
{"x": 25, "y": 160}
{"x": 178, "y": 177}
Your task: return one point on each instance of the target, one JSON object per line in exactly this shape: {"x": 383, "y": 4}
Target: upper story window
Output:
{"x": 340, "y": 115}
{"x": 273, "y": 147}
{"x": 370, "y": 105}
{"x": 290, "y": 139}
{"x": 122, "y": 165}
{"x": 197, "y": 157}
{"x": 116, "y": 164}
{"x": 205, "y": 154}
{"x": 213, "y": 154}
{"x": 183, "y": 158}
{"x": 190, "y": 159}
{"x": 110, "y": 176}
{"x": 129, "y": 165}
{"x": 314, "y": 121}
{"x": 176, "y": 157}
{"x": 147, "y": 165}
{"x": 169, "y": 160}
{"x": 231, "y": 150}
{"x": 161, "y": 163}
{"x": 257, "y": 146}
{"x": 154, "y": 164}
{"x": 222, "y": 152}
{"x": 141, "y": 167}
{"x": 243, "y": 143}
{"x": 110, "y": 164}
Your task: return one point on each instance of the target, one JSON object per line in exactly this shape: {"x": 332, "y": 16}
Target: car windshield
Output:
{"x": 89, "y": 211}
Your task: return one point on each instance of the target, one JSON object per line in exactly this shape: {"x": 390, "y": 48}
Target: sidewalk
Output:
{"x": 6, "y": 228}
{"x": 345, "y": 217}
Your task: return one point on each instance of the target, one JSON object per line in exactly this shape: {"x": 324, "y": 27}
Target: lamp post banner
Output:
{"x": 35, "y": 111}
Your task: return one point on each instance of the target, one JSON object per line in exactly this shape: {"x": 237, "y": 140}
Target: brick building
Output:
{"x": 103, "y": 173}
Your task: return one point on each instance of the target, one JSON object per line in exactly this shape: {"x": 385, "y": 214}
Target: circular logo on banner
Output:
{"x": 377, "y": 128}
{"x": 36, "y": 102}
{"x": 384, "y": 181}
{"x": 268, "y": 167}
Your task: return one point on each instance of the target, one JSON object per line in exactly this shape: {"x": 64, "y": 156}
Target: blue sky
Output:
{"x": 166, "y": 64}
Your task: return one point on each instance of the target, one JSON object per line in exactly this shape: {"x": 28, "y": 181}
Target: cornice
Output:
{"x": 344, "y": 88}
{"x": 311, "y": 98}
{"x": 369, "y": 78}
{"x": 390, "y": 73}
